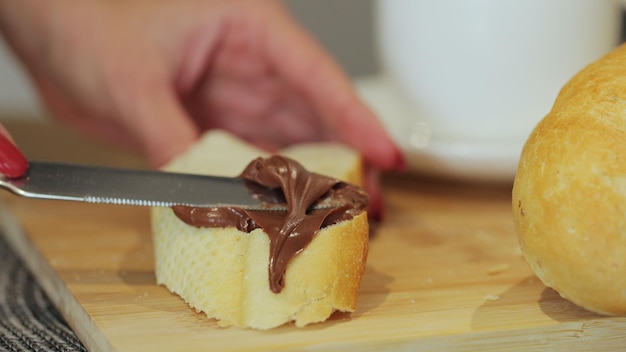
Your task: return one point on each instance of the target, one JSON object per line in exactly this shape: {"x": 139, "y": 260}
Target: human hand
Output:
{"x": 155, "y": 74}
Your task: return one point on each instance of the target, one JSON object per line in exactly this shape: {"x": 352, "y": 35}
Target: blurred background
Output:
{"x": 346, "y": 28}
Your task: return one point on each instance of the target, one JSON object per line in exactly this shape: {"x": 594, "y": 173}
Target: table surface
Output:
{"x": 444, "y": 271}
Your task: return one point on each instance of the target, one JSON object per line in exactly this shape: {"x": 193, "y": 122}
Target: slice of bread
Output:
{"x": 223, "y": 272}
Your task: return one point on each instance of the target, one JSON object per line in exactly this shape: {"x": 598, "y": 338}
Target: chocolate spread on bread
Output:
{"x": 279, "y": 180}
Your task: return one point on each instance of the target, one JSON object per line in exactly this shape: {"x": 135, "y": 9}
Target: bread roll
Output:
{"x": 569, "y": 195}
{"x": 223, "y": 272}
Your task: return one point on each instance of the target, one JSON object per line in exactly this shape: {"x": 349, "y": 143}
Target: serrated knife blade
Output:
{"x": 97, "y": 184}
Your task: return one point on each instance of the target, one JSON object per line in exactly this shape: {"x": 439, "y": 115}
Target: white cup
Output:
{"x": 489, "y": 70}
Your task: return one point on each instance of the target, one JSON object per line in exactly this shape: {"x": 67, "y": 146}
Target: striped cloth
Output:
{"x": 28, "y": 321}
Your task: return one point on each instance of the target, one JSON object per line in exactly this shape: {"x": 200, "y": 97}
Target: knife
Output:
{"x": 96, "y": 184}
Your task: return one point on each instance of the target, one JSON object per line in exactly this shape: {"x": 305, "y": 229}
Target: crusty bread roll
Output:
{"x": 223, "y": 271}
{"x": 569, "y": 195}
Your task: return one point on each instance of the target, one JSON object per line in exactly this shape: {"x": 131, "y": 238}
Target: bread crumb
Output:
{"x": 498, "y": 268}
{"x": 490, "y": 297}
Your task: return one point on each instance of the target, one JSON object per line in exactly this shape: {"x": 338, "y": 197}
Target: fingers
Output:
{"x": 371, "y": 184}
{"x": 164, "y": 129}
{"x": 12, "y": 162}
{"x": 151, "y": 112}
{"x": 363, "y": 131}
{"x": 310, "y": 70}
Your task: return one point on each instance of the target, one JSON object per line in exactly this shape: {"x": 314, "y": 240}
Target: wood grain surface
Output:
{"x": 444, "y": 273}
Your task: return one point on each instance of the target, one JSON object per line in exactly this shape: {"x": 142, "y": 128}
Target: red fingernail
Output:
{"x": 376, "y": 210}
{"x": 400, "y": 162}
{"x": 12, "y": 162}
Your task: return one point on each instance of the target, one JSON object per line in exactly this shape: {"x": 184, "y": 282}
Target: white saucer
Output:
{"x": 425, "y": 152}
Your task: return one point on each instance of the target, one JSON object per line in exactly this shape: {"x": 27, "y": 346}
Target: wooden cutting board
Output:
{"x": 444, "y": 273}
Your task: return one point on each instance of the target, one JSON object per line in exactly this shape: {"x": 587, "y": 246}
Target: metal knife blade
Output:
{"x": 96, "y": 184}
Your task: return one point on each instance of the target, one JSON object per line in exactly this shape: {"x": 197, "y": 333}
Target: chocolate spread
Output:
{"x": 280, "y": 180}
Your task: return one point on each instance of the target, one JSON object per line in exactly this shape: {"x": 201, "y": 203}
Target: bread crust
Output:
{"x": 223, "y": 272}
{"x": 569, "y": 194}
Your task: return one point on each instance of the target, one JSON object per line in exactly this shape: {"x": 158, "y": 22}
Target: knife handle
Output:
{"x": 13, "y": 163}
